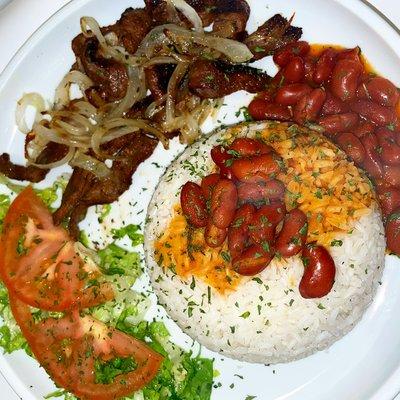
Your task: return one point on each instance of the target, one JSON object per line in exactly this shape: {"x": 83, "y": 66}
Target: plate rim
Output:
{"x": 391, "y": 388}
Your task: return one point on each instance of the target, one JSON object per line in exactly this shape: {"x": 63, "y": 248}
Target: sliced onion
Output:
{"x": 236, "y": 52}
{"x": 90, "y": 164}
{"x": 94, "y": 30}
{"x": 53, "y": 135}
{"x": 136, "y": 91}
{"x": 155, "y": 107}
{"x": 34, "y": 100}
{"x": 62, "y": 97}
{"x": 160, "y": 60}
{"x": 190, "y": 13}
{"x": 66, "y": 159}
{"x": 173, "y": 83}
{"x": 154, "y": 39}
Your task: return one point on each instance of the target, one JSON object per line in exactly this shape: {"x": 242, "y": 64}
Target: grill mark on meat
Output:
{"x": 51, "y": 153}
{"x": 84, "y": 189}
{"x": 214, "y": 79}
{"x": 274, "y": 34}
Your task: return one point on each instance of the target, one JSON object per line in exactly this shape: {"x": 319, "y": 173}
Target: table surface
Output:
{"x": 39, "y": 12}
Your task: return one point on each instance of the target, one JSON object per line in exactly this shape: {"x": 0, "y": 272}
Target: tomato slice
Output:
{"x": 39, "y": 262}
{"x": 69, "y": 347}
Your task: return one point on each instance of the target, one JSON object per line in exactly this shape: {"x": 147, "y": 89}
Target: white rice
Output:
{"x": 265, "y": 320}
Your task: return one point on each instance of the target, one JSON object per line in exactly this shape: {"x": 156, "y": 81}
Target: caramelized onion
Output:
{"x": 34, "y": 100}
{"x": 90, "y": 164}
{"x": 190, "y": 13}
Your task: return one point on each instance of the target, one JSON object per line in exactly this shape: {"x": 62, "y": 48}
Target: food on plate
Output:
{"x": 154, "y": 74}
{"x": 104, "y": 352}
{"x": 335, "y": 91}
{"x": 214, "y": 250}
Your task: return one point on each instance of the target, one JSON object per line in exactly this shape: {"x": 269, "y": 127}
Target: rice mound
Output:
{"x": 265, "y": 320}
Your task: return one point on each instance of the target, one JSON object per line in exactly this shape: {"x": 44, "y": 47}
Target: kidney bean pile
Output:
{"x": 353, "y": 107}
{"x": 243, "y": 203}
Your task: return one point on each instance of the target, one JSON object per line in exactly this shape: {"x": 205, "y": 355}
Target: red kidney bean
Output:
{"x": 324, "y": 66}
{"x": 289, "y": 95}
{"x": 263, "y": 224}
{"x": 222, "y": 159}
{"x": 223, "y": 203}
{"x": 389, "y": 199}
{"x": 253, "y": 260}
{"x": 319, "y": 272}
{"x": 263, "y": 165}
{"x": 213, "y": 235}
{"x": 261, "y": 190}
{"x": 350, "y": 54}
{"x": 333, "y": 124}
{"x": 333, "y": 105}
{"x": 372, "y": 162}
{"x": 293, "y": 236}
{"x": 345, "y": 78}
{"x": 379, "y": 115}
{"x": 363, "y": 128}
{"x": 382, "y": 91}
{"x": 208, "y": 184}
{"x": 260, "y": 109}
{"x": 284, "y": 55}
{"x": 391, "y": 174}
{"x": 238, "y": 232}
{"x": 309, "y": 106}
{"x": 293, "y": 72}
{"x": 389, "y": 149}
{"x": 352, "y": 146}
{"x": 246, "y": 147}
{"x": 309, "y": 67}
{"x": 193, "y": 204}
{"x": 393, "y": 232}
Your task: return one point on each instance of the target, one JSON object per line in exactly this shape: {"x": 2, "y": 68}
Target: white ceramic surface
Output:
{"x": 363, "y": 365}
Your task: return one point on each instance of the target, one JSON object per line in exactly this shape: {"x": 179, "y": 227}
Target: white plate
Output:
{"x": 363, "y": 365}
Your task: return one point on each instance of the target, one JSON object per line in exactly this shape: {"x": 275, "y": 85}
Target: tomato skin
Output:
{"x": 260, "y": 109}
{"x": 263, "y": 224}
{"x": 392, "y": 230}
{"x": 319, "y": 273}
{"x": 334, "y": 124}
{"x": 289, "y": 95}
{"x": 208, "y": 184}
{"x": 238, "y": 232}
{"x": 324, "y": 66}
{"x": 284, "y": 55}
{"x": 246, "y": 147}
{"x": 352, "y": 146}
{"x": 67, "y": 348}
{"x": 293, "y": 236}
{"x": 350, "y": 54}
{"x": 39, "y": 263}
{"x": 213, "y": 235}
{"x": 193, "y": 204}
{"x": 263, "y": 165}
{"x": 309, "y": 106}
{"x": 253, "y": 260}
{"x": 391, "y": 174}
{"x": 376, "y": 113}
{"x": 223, "y": 203}
{"x": 293, "y": 72}
{"x": 345, "y": 77}
{"x": 389, "y": 199}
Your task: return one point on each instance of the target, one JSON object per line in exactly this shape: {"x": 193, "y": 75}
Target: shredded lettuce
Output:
{"x": 132, "y": 231}
{"x": 4, "y": 205}
{"x": 103, "y": 211}
{"x": 50, "y": 195}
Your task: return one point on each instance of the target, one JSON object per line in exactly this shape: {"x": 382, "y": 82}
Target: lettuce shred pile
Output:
{"x": 182, "y": 376}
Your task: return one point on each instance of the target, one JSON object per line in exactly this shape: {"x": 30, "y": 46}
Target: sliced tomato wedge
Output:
{"x": 69, "y": 347}
{"x": 39, "y": 262}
